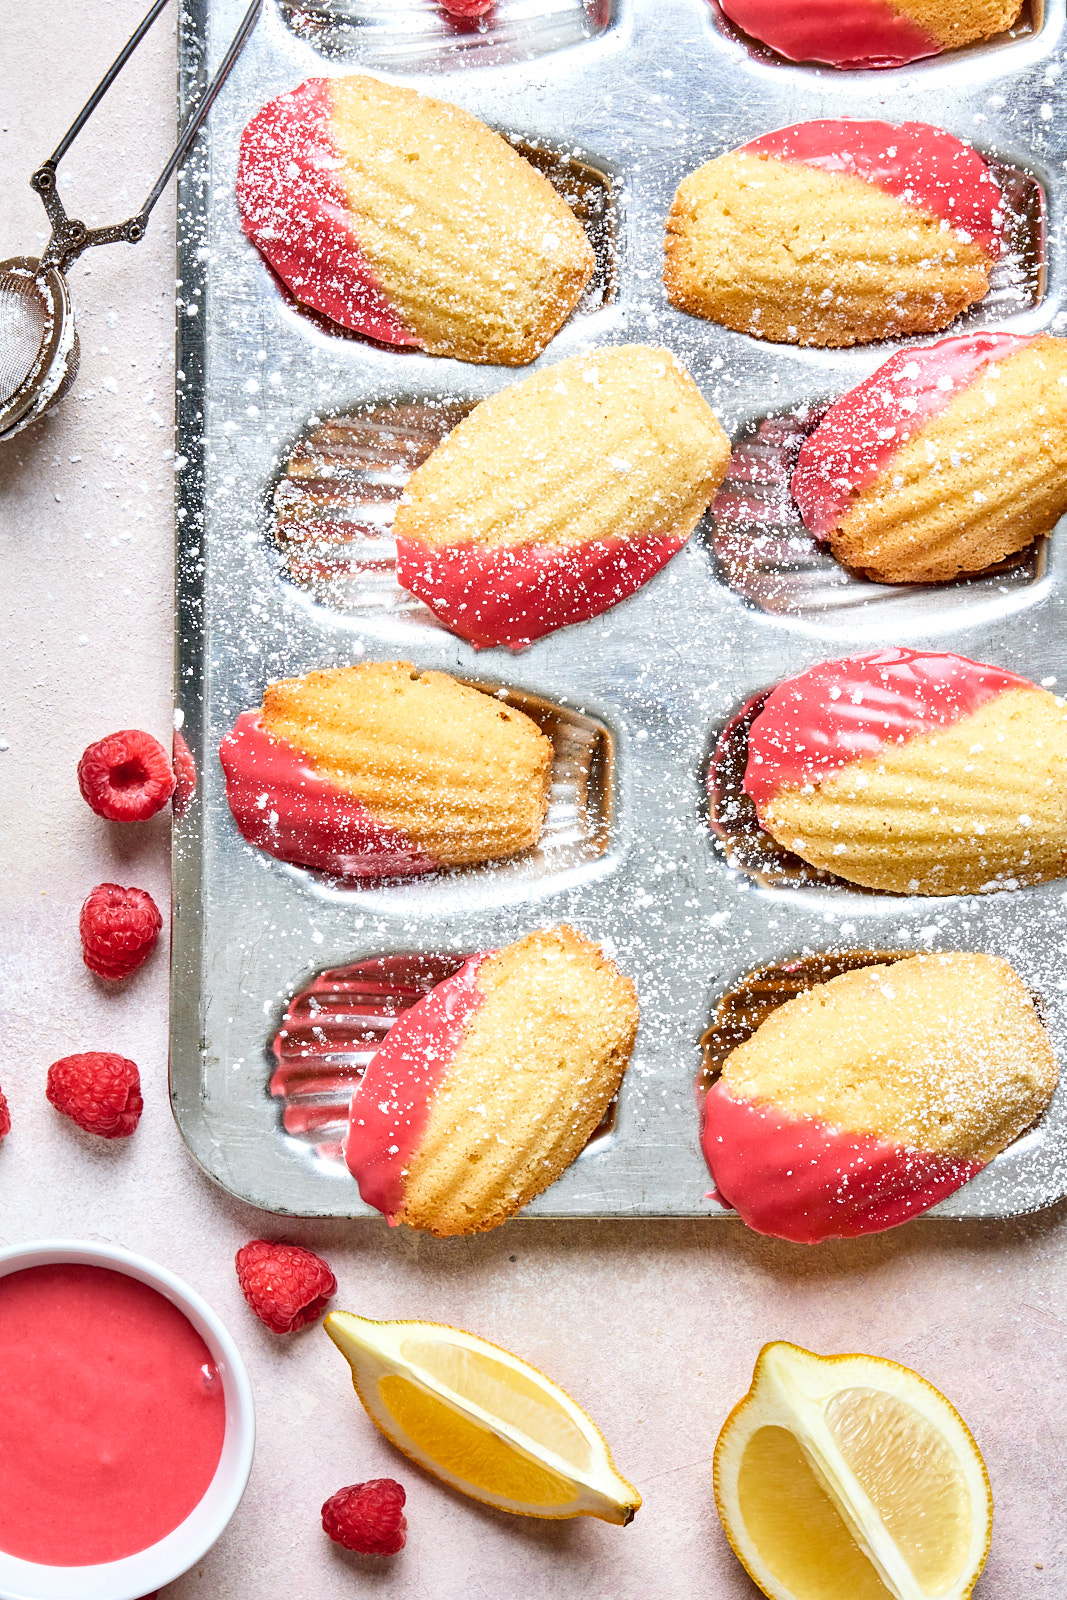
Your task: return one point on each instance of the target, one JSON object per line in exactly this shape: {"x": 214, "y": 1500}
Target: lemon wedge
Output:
{"x": 851, "y": 1478}
{"x": 481, "y": 1420}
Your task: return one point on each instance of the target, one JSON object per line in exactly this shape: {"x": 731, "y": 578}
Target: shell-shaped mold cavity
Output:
{"x": 420, "y": 36}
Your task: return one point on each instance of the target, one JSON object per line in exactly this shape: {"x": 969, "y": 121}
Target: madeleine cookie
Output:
{"x": 381, "y": 770}
{"x": 914, "y": 772}
{"x": 410, "y": 221}
{"x": 945, "y": 461}
{"x": 870, "y": 33}
{"x": 835, "y": 233}
{"x": 484, "y": 1091}
{"x": 867, "y": 1099}
{"x": 560, "y": 496}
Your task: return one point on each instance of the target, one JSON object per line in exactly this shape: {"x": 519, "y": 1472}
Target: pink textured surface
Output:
{"x": 813, "y": 725}
{"x": 655, "y": 1326}
{"x": 280, "y": 803}
{"x": 845, "y": 33}
{"x": 519, "y": 593}
{"x": 858, "y": 437}
{"x": 390, "y": 1110}
{"x": 802, "y": 1179}
{"x": 294, "y": 210}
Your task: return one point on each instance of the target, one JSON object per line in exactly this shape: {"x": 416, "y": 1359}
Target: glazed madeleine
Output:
{"x": 487, "y": 1089}
{"x": 835, "y": 233}
{"x": 377, "y": 770}
{"x": 560, "y": 496}
{"x": 945, "y": 461}
{"x": 914, "y": 772}
{"x": 405, "y": 218}
{"x": 867, "y": 1099}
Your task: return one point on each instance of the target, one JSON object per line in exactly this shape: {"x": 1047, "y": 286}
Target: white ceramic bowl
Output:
{"x": 161, "y": 1563}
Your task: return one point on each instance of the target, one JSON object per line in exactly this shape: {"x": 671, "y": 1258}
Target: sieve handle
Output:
{"x": 69, "y": 236}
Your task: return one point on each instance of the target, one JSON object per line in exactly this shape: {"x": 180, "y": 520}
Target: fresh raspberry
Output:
{"x": 368, "y": 1517}
{"x": 286, "y": 1285}
{"x": 99, "y": 1091}
{"x": 184, "y": 775}
{"x": 5, "y": 1116}
{"x": 118, "y": 928}
{"x": 126, "y": 777}
{"x": 467, "y": 8}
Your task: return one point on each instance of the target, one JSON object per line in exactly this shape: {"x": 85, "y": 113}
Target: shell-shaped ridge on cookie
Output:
{"x": 381, "y": 771}
{"x": 948, "y": 459}
{"x": 836, "y": 232}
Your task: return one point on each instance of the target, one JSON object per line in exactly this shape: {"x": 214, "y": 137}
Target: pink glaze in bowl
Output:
{"x": 137, "y": 1575}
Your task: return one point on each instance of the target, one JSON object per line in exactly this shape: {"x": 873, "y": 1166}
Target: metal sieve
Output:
{"x": 38, "y": 339}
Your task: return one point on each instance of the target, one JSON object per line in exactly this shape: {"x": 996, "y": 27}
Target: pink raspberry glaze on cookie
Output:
{"x": 862, "y": 432}
{"x": 281, "y": 804}
{"x": 391, "y": 1106}
{"x": 840, "y": 33}
{"x": 804, "y": 1180}
{"x": 515, "y": 594}
{"x": 294, "y": 209}
{"x": 814, "y": 724}
{"x": 924, "y": 166}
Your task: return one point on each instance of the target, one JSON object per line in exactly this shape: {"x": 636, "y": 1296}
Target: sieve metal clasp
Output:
{"x": 69, "y": 235}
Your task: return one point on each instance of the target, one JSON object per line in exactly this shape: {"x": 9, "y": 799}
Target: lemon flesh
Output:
{"x": 481, "y": 1419}
{"x": 912, "y": 1479}
{"x": 851, "y": 1478}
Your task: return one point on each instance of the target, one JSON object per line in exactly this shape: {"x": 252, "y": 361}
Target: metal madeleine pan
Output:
{"x": 284, "y": 566}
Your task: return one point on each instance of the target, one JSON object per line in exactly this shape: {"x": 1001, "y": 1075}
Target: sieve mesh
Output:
{"x": 24, "y": 326}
